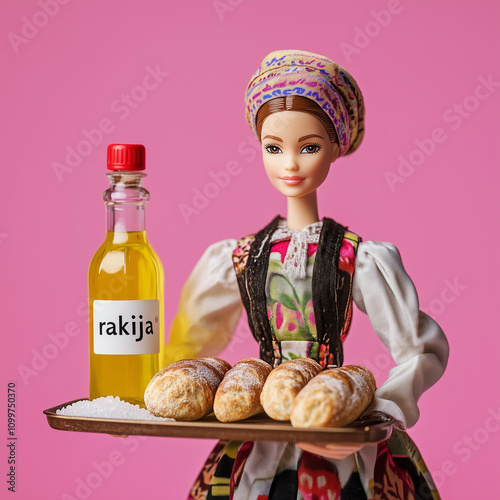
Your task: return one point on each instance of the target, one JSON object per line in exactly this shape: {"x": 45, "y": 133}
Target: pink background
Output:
{"x": 66, "y": 67}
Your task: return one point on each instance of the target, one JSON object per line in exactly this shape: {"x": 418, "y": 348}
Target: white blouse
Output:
{"x": 210, "y": 307}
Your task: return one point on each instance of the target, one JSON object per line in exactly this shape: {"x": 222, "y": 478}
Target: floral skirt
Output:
{"x": 247, "y": 470}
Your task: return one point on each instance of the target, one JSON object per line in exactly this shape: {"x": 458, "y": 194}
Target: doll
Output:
{"x": 297, "y": 279}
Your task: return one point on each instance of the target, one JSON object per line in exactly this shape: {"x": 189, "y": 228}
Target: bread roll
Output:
{"x": 238, "y": 395}
{"x": 283, "y": 385}
{"x": 185, "y": 390}
{"x": 334, "y": 398}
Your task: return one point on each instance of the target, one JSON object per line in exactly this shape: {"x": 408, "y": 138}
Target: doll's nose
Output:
{"x": 291, "y": 164}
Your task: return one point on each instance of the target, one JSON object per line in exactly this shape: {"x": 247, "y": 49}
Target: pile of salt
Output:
{"x": 108, "y": 407}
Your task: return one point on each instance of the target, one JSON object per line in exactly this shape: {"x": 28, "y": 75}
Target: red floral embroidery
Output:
{"x": 318, "y": 478}
{"x": 239, "y": 464}
{"x": 390, "y": 481}
{"x": 202, "y": 483}
{"x": 240, "y": 253}
{"x": 324, "y": 355}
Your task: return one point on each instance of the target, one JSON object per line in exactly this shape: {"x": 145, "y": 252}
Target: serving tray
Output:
{"x": 258, "y": 428}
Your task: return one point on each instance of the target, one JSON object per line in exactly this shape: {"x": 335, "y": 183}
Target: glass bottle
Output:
{"x": 125, "y": 287}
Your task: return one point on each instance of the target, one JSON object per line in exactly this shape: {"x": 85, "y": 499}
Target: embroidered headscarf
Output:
{"x": 296, "y": 72}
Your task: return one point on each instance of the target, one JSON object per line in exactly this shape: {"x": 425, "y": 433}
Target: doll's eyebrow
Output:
{"x": 308, "y": 137}
{"x": 272, "y": 137}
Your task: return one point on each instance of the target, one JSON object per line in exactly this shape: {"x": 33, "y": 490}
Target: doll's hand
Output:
{"x": 331, "y": 450}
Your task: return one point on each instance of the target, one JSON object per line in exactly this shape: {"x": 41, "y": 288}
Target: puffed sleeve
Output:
{"x": 209, "y": 307}
{"x": 383, "y": 290}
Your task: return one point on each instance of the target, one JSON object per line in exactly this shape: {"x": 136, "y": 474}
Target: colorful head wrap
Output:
{"x": 296, "y": 72}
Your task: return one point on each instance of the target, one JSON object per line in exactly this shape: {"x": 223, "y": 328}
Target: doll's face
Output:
{"x": 297, "y": 152}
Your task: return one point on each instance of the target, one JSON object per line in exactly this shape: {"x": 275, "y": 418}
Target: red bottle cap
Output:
{"x": 126, "y": 157}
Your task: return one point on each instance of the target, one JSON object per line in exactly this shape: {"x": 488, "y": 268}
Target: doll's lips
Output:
{"x": 293, "y": 180}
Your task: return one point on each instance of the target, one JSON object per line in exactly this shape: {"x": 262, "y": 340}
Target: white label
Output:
{"x": 126, "y": 326}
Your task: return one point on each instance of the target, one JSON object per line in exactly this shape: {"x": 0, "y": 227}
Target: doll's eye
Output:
{"x": 273, "y": 149}
{"x": 311, "y": 149}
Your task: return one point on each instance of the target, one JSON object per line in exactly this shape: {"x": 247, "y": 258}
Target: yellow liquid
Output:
{"x": 124, "y": 268}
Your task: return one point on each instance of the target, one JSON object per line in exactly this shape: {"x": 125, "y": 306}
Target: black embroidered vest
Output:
{"x": 331, "y": 288}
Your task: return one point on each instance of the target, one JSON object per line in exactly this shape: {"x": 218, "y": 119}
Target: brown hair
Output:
{"x": 294, "y": 103}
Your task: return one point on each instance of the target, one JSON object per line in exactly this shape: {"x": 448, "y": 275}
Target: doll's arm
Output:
{"x": 209, "y": 307}
{"x": 383, "y": 290}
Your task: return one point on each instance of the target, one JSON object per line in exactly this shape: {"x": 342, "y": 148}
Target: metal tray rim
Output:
{"x": 258, "y": 428}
